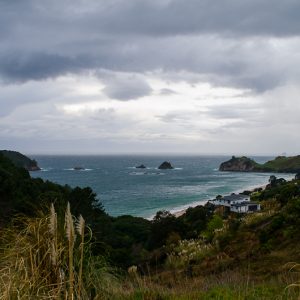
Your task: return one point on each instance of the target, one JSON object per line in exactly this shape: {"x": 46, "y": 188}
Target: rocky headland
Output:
{"x": 281, "y": 164}
{"x": 20, "y": 160}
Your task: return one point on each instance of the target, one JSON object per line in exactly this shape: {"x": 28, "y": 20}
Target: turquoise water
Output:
{"x": 123, "y": 189}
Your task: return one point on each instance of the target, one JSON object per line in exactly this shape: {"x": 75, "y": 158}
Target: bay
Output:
{"x": 123, "y": 189}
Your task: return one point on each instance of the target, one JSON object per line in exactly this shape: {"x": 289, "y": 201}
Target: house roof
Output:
{"x": 235, "y": 197}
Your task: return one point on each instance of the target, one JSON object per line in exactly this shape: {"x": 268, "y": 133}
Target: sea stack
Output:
{"x": 165, "y": 165}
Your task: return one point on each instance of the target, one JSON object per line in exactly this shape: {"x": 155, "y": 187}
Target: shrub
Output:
{"x": 186, "y": 252}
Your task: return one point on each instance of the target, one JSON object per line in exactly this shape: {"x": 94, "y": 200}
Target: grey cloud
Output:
{"x": 33, "y": 92}
{"x": 241, "y": 111}
{"x": 126, "y": 87}
{"x": 182, "y": 117}
{"x": 104, "y": 115}
{"x": 172, "y": 117}
{"x": 167, "y": 91}
{"x": 236, "y": 116}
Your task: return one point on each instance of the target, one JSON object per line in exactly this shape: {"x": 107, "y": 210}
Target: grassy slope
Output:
{"x": 283, "y": 163}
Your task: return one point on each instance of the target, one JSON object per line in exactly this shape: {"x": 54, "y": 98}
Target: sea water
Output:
{"x": 124, "y": 189}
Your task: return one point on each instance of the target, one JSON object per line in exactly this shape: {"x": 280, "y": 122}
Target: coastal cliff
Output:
{"x": 20, "y": 160}
{"x": 281, "y": 164}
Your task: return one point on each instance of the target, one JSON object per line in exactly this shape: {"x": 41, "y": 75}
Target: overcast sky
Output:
{"x": 150, "y": 76}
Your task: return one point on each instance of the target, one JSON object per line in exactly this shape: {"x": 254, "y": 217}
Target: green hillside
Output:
{"x": 283, "y": 164}
{"x": 280, "y": 164}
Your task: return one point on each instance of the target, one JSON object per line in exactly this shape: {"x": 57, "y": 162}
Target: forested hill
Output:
{"x": 20, "y": 160}
{"x": 21, "y": 194}
{"x": 281, "y": 164}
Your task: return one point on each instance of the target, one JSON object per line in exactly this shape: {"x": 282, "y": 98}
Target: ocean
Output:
{"x": 124, "y": 190}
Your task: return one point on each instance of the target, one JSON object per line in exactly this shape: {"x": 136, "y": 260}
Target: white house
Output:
{"x": 237, "y": 203}
{"x": 232, "y": 199}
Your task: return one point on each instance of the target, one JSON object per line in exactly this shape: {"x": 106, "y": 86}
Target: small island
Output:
{"x": 140, "y": 166}
{"x": 20, "y": 160}
{"x": 281, "y": 164}
{"x": 165, "y": 166}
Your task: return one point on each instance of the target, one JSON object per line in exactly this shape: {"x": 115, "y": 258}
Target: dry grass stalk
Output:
{"x": 70, "y": 233}
{"x": 80, "y": 229}
{"x": 53, "y": 232}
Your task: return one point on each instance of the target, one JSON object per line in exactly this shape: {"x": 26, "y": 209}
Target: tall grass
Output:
{"x": 295, "y": 268}
{"x": 46, "y": 258}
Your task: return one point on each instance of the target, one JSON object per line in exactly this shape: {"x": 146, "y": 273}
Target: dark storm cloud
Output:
{"x": 162, "y": 17}
{"x": 37, "y": 66}
{"x": 46, "y": 39}
{"x": 256, "y": 17}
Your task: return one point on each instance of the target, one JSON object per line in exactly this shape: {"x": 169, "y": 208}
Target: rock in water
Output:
{"x": 141, "y": 167}
{"x": 165, "y": 165}
{"x": 78, "y": 168}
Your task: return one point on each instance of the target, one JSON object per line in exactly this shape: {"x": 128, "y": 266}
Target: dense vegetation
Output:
{"x": 206, "y": 253}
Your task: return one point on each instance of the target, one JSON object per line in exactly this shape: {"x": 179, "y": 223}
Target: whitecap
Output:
{"x": 81, "y": 170}
{"x": 137, "y": 173}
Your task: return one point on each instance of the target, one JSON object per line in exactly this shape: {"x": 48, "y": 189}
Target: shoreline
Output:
{"x": 181, "y": 212}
